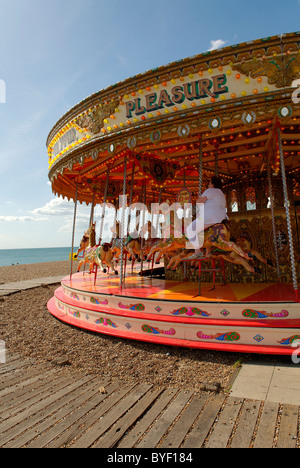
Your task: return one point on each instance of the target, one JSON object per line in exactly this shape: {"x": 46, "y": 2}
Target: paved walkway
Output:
{"x": 279, "y": 383}
{"x": 11, "y": 288}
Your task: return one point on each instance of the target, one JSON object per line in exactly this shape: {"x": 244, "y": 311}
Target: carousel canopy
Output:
{"x": 222, "y": 107}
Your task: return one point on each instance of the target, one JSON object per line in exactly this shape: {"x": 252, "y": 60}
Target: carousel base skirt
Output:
{"x": 250, "y": 318}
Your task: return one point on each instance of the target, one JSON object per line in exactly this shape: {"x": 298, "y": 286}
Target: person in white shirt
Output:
{"x": 213, "y": 212}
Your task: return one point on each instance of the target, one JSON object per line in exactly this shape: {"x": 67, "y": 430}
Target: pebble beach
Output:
{"x": 28, "y": 329}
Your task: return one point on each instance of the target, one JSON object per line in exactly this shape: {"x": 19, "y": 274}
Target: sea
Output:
{"x": 27, "y": 256}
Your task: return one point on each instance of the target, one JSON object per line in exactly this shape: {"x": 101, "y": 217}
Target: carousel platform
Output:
{"x": 250, "y": 318}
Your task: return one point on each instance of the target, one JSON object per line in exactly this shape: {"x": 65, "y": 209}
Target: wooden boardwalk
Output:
{"x": 57, "y": 407}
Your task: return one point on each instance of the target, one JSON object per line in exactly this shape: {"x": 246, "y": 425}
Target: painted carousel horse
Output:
{"x": 158, "y": 245}
{"x": 88, "y": 240}
{"x": 142, "y": 246}
{"x": 216, "y": 239}
{"x": 93, "y": 254}
{"x": 133, "y": 247}
{"x": 178, "y": 257}
{"x": 245, "y": 245}
{"x": 231, "y": 257}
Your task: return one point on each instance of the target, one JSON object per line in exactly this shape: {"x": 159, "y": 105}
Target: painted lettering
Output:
{"x": 205, "y": 88}
{"x": 139, "y": 110}
{"x": 177, "y": 95}
{"x": 130, "y": 107}
{"x": 191, "y": 91}
{"x": 164, "y": 99}
{"x": 69, "y": 137}
{"x": 219, "y": 82}
{"x": 151, "y": 102}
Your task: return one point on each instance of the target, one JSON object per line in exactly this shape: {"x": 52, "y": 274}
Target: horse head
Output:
{"x": 88, "y": 240}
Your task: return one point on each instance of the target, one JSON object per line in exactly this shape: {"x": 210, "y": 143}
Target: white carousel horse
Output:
{"x": 94, "y": 255}
{"x": 216, "y": 238}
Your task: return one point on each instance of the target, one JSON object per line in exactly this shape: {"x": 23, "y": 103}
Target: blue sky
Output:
{"x": 54, "y": 54}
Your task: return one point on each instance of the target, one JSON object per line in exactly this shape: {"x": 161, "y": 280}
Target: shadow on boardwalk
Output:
{"x": 57, "y": 407}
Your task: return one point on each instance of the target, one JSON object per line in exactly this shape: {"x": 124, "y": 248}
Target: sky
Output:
{"x": 55, "y": 54}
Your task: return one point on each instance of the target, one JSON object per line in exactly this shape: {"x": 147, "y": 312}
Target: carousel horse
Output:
{"x": 216, "y": 239}
{"x": 231, "y": 257}
{"x": 245, "y": 245}
{"x": 169, "y": 236}
{"x": 88, "y": 240}
{"x": 116, "y": 243}
{"x": 95, "y": 255}
{"x": 133, "y": 247}
{"x": 178, "y": 257}
{"x": 142, "y": 246}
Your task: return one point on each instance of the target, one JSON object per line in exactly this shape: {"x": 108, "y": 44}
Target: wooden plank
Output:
{"x": 185, "y": 422}
{"x": 288, "y": 429}
{"x": 156, "y": 433}
{"x": 207, "y": 418}
{"x": 86, "y": 416}
{"x": 246, "y": 425}
{"x": 98, "y": 429}
{"x": 13, "y": 427}
{"x": 68, "y": 404}
{"x": 23, "y": 379}
{"x": 131, "y": 439}
{"x": 112, "y": 437}
{"x": 223, "y": 429}
{"x": 14, "y": 366}
{"x": 266, "y": 428}
{"x": 10, "y": 357}
{"x": 17, "y": 394}
{"x": 19, "y": 374}
{"x": 12, "y": 411}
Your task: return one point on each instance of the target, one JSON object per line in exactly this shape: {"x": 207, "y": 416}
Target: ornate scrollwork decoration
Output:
{"x": 94, "y": 120}
{"x": 280, "y": 70}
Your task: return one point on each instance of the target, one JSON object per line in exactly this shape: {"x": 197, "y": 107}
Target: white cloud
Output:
{"x": 56, "y": 207}
{"x": 52, "y": 224}
{"x": 62, "y": 211}
{"x": 216, "y": 44}
{"x": 21, "y": 219}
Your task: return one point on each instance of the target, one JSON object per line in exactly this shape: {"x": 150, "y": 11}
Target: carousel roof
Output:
{"x": 225, "y": 105}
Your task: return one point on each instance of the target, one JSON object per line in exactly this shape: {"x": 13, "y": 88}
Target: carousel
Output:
{"x": 144, "y": 149}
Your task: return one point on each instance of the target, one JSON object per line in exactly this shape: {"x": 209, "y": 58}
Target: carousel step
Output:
{"x": 189, "y": 315}
{"x": 277, "y": 314}
{"x": 205, "y": 333}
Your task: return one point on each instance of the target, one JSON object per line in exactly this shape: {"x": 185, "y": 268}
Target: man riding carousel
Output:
{"x": 212, "y": 210}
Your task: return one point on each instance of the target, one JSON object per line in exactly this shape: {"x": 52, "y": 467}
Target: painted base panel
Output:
{"x": 162, "y": 312}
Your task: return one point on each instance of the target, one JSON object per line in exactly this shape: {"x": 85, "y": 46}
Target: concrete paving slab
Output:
{"x": 253, "y": 389}
{"x": 257, "y": 370}
{"x": 10, "y": 288}
{"x": 6, "y": 292}
{"x": 268, "y": 382}
{"x": 285, "y": 396}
